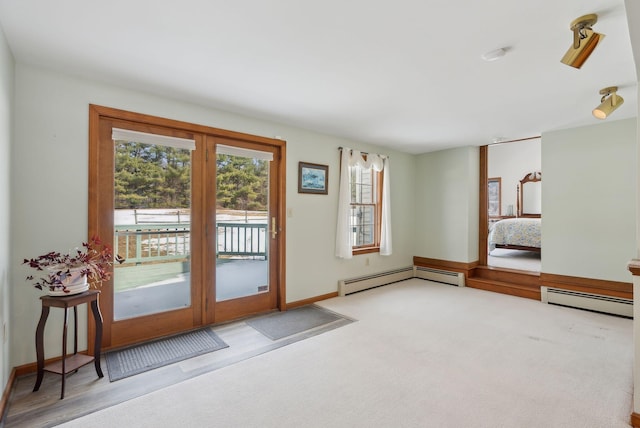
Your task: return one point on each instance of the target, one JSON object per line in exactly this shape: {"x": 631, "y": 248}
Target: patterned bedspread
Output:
{"x": 516, "y": 231}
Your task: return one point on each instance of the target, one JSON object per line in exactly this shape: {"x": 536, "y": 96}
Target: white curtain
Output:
{"x": 385, "y": 232}
{"x": 344, "y": 237}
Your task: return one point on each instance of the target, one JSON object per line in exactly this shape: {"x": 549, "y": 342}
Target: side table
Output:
{"x": 73, "y": 362}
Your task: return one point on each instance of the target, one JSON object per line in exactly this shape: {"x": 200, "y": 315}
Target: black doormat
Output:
{"x": 283, "y": 324}
{"x": 137, "y": 359}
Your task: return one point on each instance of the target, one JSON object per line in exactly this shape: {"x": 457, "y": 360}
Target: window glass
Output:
{"x": 364, "y": 206}
{"x": 152, "y": 228}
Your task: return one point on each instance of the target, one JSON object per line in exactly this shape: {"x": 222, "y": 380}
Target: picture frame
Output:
{"x": 313, "y": 178}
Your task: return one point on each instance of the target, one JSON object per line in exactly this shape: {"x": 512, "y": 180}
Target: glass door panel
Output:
{"x": 152, "y": 219}
{"x": 242, "y": 223}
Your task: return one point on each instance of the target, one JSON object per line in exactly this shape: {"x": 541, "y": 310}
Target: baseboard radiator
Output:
{"x": 353, "y": 285}
{"x": 437, "y": 275}
{"x": 592, "y": 302}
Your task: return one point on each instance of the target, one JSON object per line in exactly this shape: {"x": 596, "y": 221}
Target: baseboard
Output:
{"x": 26, "y": 369}
{"x": 4, "y": 402}
{"x": 445, "y": 265}
{"x": 622, "y": 290}
{"x": 635, "y": 420}
{"x": 378, "y": 279}
{"x": 311, "y": 300}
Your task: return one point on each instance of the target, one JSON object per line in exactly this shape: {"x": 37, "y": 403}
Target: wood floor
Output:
{"x": 86, "y": 393}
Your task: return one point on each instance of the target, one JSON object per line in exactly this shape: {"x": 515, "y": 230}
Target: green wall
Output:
{"x": 447, "y": 204}
{"x": 6, "y": 100}
{"x": 589, "y": 200}
{"x": 49, "y": 191}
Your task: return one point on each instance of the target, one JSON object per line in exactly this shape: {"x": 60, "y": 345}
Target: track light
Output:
{"x": 608, "y": 105}
{"x": 585, "y": 40}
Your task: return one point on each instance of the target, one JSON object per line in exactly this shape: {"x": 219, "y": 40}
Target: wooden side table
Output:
{"x": 73, "y": 362}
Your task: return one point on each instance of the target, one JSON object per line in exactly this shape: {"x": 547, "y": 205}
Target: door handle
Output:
{"x": 274, "y": 232}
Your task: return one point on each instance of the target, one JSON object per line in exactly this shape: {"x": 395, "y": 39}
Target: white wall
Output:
{"x": 510, "y": 162}
{"x": 49, "y": 207}
{"x": 447, "y": 204}
{"x": 6, "y": 98}
{"x": 588, "y": 203}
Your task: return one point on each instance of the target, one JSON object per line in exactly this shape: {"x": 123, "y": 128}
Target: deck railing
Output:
{"x": 141, "y": 243}
{"x": 241, "y": 239}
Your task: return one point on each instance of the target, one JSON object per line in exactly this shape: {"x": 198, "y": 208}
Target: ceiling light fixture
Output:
{"x": 608, "y": 105}
{"x": 585, "y": 41}
{"x": 494, "y": 54}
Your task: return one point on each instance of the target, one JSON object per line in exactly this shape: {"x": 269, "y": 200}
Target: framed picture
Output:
{"x": 312, "y": 178}
{"x": 495, "y": 197}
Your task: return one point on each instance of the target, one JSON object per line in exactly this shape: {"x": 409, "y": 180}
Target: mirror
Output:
{"x": 530, "y": 195}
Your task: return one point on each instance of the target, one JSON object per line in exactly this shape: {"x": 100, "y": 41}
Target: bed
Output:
{"x": 516, "y": 234}
{"x": 524, "y": 231}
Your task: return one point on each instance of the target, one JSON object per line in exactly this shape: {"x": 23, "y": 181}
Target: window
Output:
{"x": 495, "y": 197}
{"x": 365, "y": 208}
{"x": 364, "y": 213}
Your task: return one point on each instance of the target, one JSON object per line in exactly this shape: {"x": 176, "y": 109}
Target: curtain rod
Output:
{"x": 342, "y": 148}
{"x": 364, "y": 153}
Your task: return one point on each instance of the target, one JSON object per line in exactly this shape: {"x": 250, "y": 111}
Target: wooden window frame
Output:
{"x": 378, "y": 177}
{"x": 497, "y": 180}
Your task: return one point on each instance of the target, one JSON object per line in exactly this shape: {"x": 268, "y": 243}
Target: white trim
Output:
{"x": 157, "y": 139}
{"x": 221, "y": 149}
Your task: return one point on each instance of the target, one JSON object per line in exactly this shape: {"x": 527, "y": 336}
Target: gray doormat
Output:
{"x": 137, "y": 359}
{"x": 283, "y": 324}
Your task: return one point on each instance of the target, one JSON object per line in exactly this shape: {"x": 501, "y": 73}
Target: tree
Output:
{"x": 242, "y": 183}
{"x": 155, "y": 176}
{"x": 151, "y": 176}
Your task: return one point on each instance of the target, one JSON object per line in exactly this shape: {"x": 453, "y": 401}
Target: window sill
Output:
{"x": 368, "y": 250}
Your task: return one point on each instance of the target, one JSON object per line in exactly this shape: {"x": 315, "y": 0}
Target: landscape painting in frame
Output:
{"x": 312, "y": 178}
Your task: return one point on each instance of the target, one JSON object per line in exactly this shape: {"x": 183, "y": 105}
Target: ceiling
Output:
{"x": 404, "y": 74}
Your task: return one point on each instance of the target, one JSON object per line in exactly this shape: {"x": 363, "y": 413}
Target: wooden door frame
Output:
{"x": 240, "y": 307}
{"x": 99, "y": 220}
{"x": 483, "y": 241}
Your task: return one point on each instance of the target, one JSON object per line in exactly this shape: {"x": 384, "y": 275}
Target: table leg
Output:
{"x": 97, "y": 316}
{"x": 64, "y": 349}
{"x": 75, "y": 330}
{"x": 40, "y": 346}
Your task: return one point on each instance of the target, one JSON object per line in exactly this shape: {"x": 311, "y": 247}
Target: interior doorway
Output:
{"x": 510, "y": 198}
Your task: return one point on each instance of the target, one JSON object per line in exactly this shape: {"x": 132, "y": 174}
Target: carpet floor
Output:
{"x": 421, "y": 355}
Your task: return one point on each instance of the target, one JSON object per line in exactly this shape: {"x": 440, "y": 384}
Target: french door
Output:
{"x": 195, "y": 212}
{"x": 246, "y": 225}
